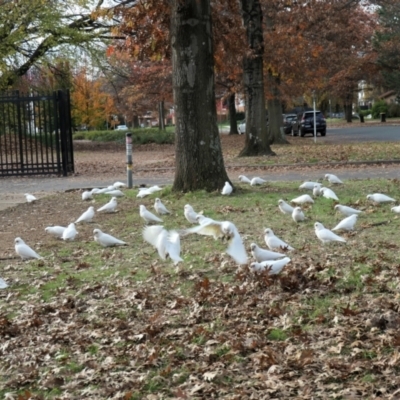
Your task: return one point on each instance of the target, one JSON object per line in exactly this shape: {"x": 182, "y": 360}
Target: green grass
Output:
{"x": 86, "y": 313}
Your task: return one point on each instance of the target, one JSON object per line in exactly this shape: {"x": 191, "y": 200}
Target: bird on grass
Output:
{"x": 274, "y": 242}
{"x": 106, "y": 240}
{"x": 273, "y": 267}
{"x": 328, "y": 193}
{"x": 257, "y": 181}
{"x": 56, "y": 231}
{"x": 167, "y": 243}
{"x": 261, "y": 254}
{"x": 3, "y": 284}
{"x": 346, "y": 210}
{"x": 224, "y": 229}
{"x": 70, "y": 233}
{"x": 24, "y": 251}
{"x": 317, "y": 190}
{"x": 190, "y": 214}
{"x": 396, "y": 209}
{"x": 325, "y": 235}
{"x": 303, "y": 199}
{"x": 244, "y": 179}
{"x": 346, "y": 224}
{"x": 380, "y": 198}
{"x": 227, "y": 189}
{"x": 87, "y": 195}
{"x": 333, "y": 179}
{"x": 147, "y": 215}
{"x": 160, "y": 207}
{"x": 87, "y": 216}
{"x": 30, "y": 198}
{"x": 308, "y": 185}
{"x": 298, "y": 215}
{"x": 285, "y": 207}
{"x": 110, "y": 206}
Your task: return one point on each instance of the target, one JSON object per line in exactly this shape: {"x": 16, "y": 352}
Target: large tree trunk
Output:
{"x": 233, "y": 130}
{"x": 257, "y": 141}
{"x": 198, "y": 153}
{"x": 275, "y": 122}
{"x": 274, "y": 104}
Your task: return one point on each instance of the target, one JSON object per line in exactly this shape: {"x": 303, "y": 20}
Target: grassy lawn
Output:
{"x": 94, "y": 323}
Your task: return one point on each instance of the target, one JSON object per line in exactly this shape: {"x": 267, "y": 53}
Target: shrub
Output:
{"x": 394, "y": 110}
{"x": 364, "y": 113}
{"x": 139, "y": 136}
{"x": 379, "y": 107}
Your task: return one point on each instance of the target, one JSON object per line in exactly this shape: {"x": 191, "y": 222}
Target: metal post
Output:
{"x": 129, "y": 159}
{"x": 315, "y": 119}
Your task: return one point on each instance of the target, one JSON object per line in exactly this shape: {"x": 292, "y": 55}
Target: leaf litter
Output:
{"x": 89, "y": 322}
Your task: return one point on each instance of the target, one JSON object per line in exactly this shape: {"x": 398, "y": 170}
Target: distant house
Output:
{"x": 389, "y": 96}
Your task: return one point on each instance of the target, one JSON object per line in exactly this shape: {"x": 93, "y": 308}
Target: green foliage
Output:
{"x": 379, "y": 107}
{"x": 393, "y": 110}
{"x": 59, "y": 25}
{"x": 364, "y": 113}
{"x": 139, "y": 136}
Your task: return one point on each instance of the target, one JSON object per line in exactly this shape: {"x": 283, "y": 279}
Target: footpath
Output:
{"x": 12, "y": 189}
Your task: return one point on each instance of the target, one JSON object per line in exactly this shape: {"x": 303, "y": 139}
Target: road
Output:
{"x": 376, "y": 133}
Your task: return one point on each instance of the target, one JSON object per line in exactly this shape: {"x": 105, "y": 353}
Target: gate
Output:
{"x": 35, "y": 134}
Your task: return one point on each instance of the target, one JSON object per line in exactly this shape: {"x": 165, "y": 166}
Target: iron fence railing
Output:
{"x": 35, "y": 134}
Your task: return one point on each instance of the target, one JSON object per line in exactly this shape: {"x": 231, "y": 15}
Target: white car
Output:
{"x": 121, "y": 128}
{"x": 242, "y": 128}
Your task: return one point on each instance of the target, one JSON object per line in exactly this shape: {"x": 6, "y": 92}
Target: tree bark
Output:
{"x": 257, "y": 141}
{"x": 274, "y": 104}
{"x": 161, "y": 116}
{"x": 233, "y": 129}
{"x": 348, "y": 108}
{"x": 135, "y": 121}
{"x": 198, "y": 153}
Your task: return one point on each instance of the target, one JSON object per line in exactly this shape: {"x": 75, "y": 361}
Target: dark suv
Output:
{"x": 305, "y": 124}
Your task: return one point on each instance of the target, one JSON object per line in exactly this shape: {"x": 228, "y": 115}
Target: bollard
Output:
{"x": 129, "y": 159}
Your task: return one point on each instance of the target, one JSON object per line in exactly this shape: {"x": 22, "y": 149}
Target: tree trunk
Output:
{"x": 135, "y": 121}
{"x": 257, "y": 141}
{"x": 274, "y": 104}
{"x": 198, "y": 153}
{"x": 348, "y": 108}
{"x": 161, "y": 116}
{"x": 233, "y": 130}
{"x": 275, "y": 119}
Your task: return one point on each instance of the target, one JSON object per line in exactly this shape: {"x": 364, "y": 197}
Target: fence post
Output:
{"x": 129, "y": 159}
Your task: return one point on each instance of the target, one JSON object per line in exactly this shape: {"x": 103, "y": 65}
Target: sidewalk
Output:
{"x": 13, "y": 188}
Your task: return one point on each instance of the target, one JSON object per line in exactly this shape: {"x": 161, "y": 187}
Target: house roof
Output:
{"x": 387, "y": 94}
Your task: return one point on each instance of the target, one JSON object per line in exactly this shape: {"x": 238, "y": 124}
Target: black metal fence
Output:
{"x": 35, "y": 134}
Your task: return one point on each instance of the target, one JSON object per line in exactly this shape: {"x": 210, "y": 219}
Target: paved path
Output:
{"x": 13, "y": 189}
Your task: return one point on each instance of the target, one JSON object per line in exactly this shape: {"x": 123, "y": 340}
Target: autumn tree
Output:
{"x": 387, "y": 43}
{"x": 198, "y": 153}
{"x": 230, "y": 42}
{"x": 91, "y": 105}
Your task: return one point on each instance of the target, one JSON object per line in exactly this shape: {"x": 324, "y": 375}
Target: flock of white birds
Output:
{"x": 167, "y": 243}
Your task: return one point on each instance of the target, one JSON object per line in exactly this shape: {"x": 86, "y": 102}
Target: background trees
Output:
{"x": 322, "y": 48}
{"x": 32, "y": 31}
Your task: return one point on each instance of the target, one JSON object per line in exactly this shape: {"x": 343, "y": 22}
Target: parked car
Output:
{"x": 121, "y": 128}
{"x": 305, "y": 124}
{"x": 288, "y": 121}
{"x": 242, "y": 128}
